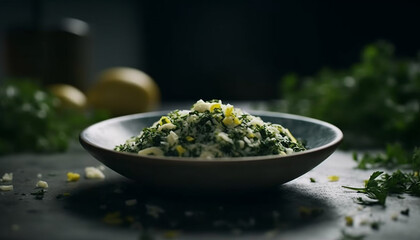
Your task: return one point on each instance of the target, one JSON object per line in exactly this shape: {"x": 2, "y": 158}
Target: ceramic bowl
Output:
{"x": 210, "y": 175}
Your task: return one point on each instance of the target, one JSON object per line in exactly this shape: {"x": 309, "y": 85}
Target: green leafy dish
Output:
{"x": 212, "y": 129}
{"x": 210, "y": 175}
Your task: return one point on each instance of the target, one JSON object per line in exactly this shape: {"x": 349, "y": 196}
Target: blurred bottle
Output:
{"x": 56, "y": 55}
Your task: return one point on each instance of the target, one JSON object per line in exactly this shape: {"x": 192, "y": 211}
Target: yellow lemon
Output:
{"x": 123, "y": 91}
{"x": 70, "y": 97}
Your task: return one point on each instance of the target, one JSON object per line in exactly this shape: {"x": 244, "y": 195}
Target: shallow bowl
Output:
{"x": 210, "y": 175}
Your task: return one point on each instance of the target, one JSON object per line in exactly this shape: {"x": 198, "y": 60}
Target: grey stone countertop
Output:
{"x": 115, "y": 208}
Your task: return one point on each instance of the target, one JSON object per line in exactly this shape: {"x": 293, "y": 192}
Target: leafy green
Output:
{"x": 405, "y": 212}
{"x": 374, "y": 101}
{"x": 212, "y": 130}
{"x": 394, "y": 156}
{"x": 380, "y": 185}
{"x": 373, "y": 189}
{"x": 33, "y": 120}
{"x": 39, "y": 194}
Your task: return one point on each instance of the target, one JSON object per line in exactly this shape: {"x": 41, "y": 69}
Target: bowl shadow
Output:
{"x": 124, "y": 204}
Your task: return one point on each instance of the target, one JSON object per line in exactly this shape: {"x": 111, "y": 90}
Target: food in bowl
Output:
{"x": 211, "y": 129}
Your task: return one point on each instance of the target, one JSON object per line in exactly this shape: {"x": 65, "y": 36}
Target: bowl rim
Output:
{"x": 338, "y": 138}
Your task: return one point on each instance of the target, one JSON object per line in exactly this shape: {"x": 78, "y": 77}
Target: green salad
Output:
{"x": 211, "y": 129}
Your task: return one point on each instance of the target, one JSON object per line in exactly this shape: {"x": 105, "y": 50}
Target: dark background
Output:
{"x": 200, "y": 49}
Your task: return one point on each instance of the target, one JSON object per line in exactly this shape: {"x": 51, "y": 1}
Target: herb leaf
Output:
{"x": 380, "y": 185}
{"x": 394, "y": 156}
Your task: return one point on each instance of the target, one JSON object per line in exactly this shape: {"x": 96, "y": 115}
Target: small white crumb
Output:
{"x": 131, "y": 202}
{"x": 7, "y": 177}
{"x": 42, "y": 184}
{"x": 394, "y": 217}
{"x": 101, "y": 167}
{"x": 39, "y": 175}
{"x": 6, "y": 187}
{"x": 94, "y": 173}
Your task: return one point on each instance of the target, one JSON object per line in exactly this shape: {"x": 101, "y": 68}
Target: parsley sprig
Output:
{"x": 394, "y": 156}
{"x": 380, "y": 185}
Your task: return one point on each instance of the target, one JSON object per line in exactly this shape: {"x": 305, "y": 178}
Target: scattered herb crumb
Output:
{"x": 7, "y": 177}
{"x": 94, "y": 173}
{"x": 312, "y": 180}
{"x": 309, "y": 212}
{"x": 381, "y": 184}
{"x": 39, "y": 194}
{"x": 405, "y": 212}
{"x": 6, "y": 188}
{"x": 348, "y": 236}
{"x": 394, "y": 217}
{"x": 73, "y": 177}
{"x": 62, "y": 195}
{"x": 42, "y": 184}
{"x": 333, "y": 178}
{"x": 113, "y": 218}
{"x": 154, "y": 211}
{"x": 375, "y": 225}
{"x": 349, "y": 221}
{"x": 171, "y": 234}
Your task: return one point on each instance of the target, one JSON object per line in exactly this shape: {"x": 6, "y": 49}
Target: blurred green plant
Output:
{"x": 32, "y": 119}
{"x": 375, "y": 101}
{"x": 394, "y": 156}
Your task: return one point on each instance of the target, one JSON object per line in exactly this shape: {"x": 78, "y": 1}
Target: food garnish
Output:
{"x": 73, "y": 177}
{"x": 333, "y": 178}
{"x": 42, "y": 184}
{"x": 381, "y": 184}
{"x": 7, "y": 177}
{"x": 6, "y": 187}
{"x": 94, "y": 173}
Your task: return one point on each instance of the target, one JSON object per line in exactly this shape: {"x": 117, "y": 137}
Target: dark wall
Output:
{"x": 224, "y": 49}
{"x": 240, "y": 49}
